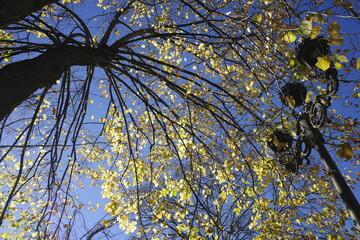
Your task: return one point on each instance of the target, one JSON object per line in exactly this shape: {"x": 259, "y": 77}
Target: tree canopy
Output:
{"x": 157, "y": 115}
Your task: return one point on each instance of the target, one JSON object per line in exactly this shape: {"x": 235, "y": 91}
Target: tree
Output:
{"x": 13, "y": 11}
{"x": 188, "y": 95}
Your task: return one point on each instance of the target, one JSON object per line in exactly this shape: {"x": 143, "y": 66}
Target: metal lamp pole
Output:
{"x": 317, "y": 141}
{"x": 313, "y": 118}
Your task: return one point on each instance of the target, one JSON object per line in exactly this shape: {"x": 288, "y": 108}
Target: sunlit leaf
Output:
{"x": 292, "y": 62}
{"x": 265, "y": 1}
{"x": 338, "y": 65}
{"x": 290, "y": 37}
{"x": 305, "y": 27}
{"x": 162, "y": 115}
{"x": 257, "y": 17}
{"x": 319, "y": 18}
{"x": 315, "y": 31}
{"x": 323, "y": 63}
{"x": 341, "y": 58}
{"x": 308, "y": 96}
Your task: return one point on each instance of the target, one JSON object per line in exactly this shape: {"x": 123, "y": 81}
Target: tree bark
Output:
{"x": 12, "y": 11}
{"x": 21, "y": 79}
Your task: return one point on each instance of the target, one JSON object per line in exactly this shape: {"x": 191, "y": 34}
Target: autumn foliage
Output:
{"x": 155, "y": 116}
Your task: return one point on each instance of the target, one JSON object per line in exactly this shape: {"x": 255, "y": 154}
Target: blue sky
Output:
{"x": 91, "y": 123}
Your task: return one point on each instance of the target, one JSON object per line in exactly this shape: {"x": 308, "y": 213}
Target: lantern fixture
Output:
{"x": 310, "y": 49}
{"x": 280, "y": 141}
{"x": 293, "y": 94}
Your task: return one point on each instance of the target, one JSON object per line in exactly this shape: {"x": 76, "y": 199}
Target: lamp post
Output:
{"x": 313, "y": 118}
{"x": 314, "y": 136}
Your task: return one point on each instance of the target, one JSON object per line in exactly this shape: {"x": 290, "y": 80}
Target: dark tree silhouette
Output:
{"x": 189, "y": 96}
{"x": 16, "y": 10}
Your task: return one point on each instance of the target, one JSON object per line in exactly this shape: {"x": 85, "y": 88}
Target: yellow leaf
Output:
{"x": 34, "y": 234}
{"x": 290, "y": 100}
{"x": 356, "y": 95}
{"x": 266, "y": 2}
{"x": 290, "y": 37}
{"x": 358, "y": 64}
{"x": 341, "y": 58}
{"x": 315, "y": 31}
{"x": 308, "y": 96}
{"x": 323, "y": 63}
{"x": 292, "y": 62}
{"x": 305, "y": 27}
{"x": 338, "y": 65}
{"x": 129, "y": 110}
{"x": 257, "y": 18}
{"x": 130, "y": 227}
{"x": 345, "y": 151}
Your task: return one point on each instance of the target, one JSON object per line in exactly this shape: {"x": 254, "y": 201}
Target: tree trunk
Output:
{"x": 12, "y": 11}
{"x": 20, "y": 79}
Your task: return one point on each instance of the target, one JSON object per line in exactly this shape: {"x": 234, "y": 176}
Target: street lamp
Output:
{"x": 314, "y": 117}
